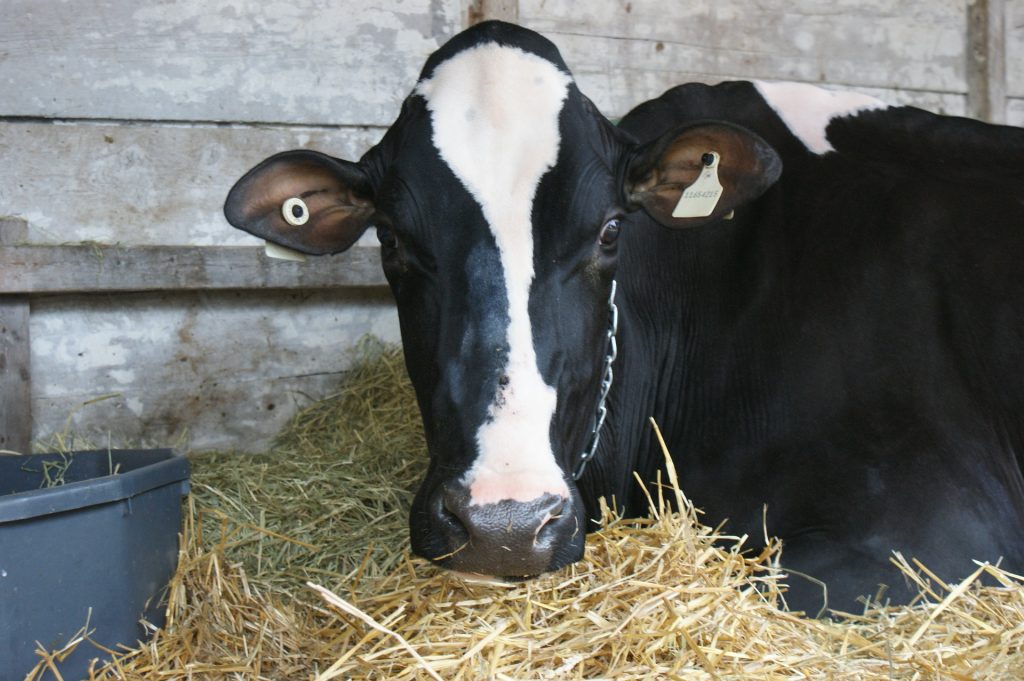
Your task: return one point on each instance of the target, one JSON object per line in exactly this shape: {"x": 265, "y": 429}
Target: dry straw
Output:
{"x": 658, "y": 598}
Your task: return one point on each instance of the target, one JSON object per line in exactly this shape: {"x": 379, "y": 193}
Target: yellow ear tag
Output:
{"x": 281, "y": 253}
{"x": 701, "y": 197}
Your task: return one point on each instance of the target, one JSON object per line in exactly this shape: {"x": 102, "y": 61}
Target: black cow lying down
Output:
{"x": 820, "y": 299}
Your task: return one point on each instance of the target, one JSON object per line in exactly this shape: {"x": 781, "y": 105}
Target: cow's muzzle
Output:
{"x": 503, "y": 539}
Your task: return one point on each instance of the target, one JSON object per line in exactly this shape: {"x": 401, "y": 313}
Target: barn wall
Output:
{"x": 1015, "y": 61}
{"x": 217, "y": 370}
{"x": 127, "y": 121}
{"x": 625, "y": 52}
{"x": 138, "y": 183}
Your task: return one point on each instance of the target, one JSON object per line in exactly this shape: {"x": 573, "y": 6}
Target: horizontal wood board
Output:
{"x": 625, "y": 52}
{"x": 310, "y": 61}
{"x": 143, "y": 184}
{"x": 97, "y": 268}
{"x": 213, "y": 369}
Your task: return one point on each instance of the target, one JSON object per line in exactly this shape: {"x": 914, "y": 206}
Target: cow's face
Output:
{"x": 497, "y": 196}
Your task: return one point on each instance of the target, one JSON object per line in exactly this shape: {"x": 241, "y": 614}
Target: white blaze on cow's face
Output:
{"x": 807, "y": 110}
{"x": 495, "y": 112}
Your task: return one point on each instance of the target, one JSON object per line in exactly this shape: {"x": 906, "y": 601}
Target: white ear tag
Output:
{"x": 281, "y": 253}
{"x": 701, "y": 197}
{"x": 295, "y": 212}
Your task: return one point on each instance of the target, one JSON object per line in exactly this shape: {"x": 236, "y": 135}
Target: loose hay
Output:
{"x": 664, "y": 597}
{"x": 333, "y": 493}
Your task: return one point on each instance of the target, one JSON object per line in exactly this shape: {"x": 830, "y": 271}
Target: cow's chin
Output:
{"x": 487, "y": 580}
{"x": 487, "y": 577}
{"x": 513, "y": 569}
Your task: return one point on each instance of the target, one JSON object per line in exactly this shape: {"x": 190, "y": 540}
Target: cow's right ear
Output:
{"x": 303, "y": 200}
{"x": 699, "y": 173}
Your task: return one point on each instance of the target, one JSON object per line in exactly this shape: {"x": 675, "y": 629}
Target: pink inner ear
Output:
{"x": 280, "y": 182}
{"x": 335, "y": 217}
{"x": 747, "y": 167}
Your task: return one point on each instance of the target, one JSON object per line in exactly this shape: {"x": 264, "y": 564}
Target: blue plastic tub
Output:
{"x": 100, "y": 548}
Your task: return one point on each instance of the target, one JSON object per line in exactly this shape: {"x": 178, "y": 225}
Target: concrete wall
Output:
{"x": 126, "y": 122}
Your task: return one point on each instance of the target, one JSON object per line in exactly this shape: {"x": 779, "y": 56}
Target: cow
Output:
{"x": 819, "y": 299}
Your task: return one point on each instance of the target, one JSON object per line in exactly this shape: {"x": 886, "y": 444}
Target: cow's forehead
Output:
{"x": 495, "y": 113}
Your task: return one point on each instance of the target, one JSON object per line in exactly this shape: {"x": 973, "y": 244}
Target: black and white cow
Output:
{"x": 840, "y": 343}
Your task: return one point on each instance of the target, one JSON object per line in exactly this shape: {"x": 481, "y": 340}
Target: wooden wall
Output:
{"x": 125, "y": 122}
{"x": 1014, "y": 61}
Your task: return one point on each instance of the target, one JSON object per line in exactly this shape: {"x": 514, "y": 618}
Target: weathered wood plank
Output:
{"x": 604, "y": 70}
{"x": 143, "y": 184}
{"x": 97, "y": 268}
{"x": 221, "y": 60}
{"x": 482, "y": 10}
{"x": 1015, "y": 112}
{"x": 220, "y": 369}
{"x": 986, "y": 60}
{"x": 1014, "y": 25}
{"x": 15, "y": 358}
{"x": 628, "y": 52}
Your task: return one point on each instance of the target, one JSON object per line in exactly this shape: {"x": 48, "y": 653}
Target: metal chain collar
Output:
{"x": 606, "y": 385}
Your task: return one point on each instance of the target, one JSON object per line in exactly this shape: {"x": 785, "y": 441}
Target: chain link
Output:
{"x": 606, "y": 385}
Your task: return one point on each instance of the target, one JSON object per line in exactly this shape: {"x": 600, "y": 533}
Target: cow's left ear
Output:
{"x": 699, "y": 173}
{"x": 304, "y": 200}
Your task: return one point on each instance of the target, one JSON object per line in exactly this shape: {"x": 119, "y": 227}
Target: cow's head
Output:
{"x": 496, "y": 197}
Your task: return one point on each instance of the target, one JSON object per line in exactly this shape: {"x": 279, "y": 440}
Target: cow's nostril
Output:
{"x": 550, "y": 527}
{"x": 447, "y": 512}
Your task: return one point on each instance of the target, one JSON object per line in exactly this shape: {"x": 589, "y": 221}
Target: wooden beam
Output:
{"x": 134, "y": 73}
{"x": 986, "y": 60}
{"x": 15, "y": 357}
{"x": 99, "y": 268}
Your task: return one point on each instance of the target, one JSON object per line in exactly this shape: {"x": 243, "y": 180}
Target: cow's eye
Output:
{"x": 386, "y": 237}
{"x": 610, "y": 232}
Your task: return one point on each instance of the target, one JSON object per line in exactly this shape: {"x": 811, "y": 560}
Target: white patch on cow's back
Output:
{"x": 807, "y": 109}
{"x": 495, "y": 111}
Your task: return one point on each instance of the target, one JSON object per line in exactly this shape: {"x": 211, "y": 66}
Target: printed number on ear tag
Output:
{"x": 701, "y": 197}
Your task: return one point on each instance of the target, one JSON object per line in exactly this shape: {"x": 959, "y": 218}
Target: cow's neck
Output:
{"x": 685, "y": 299}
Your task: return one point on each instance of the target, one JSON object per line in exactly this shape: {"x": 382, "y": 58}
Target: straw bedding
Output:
{"x": 294, "y": 566}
